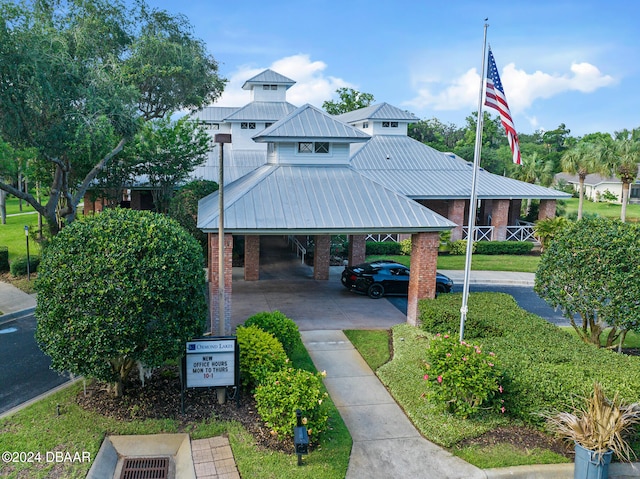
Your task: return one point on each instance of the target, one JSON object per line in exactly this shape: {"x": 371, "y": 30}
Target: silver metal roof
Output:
{"x": 381, "y": 111}
{"x": 268, "y": 77}
{"x": 288, "y": 199}
{"x": 261, "y": 111}
{"x": 214, "y": 114}
{"x": 421, "y": 172}
{"x": 309, "y": 122}
{"x": 237, "y": 163}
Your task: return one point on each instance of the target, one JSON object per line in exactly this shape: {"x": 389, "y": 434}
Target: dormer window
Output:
{"x": 389, "y": 124}
{"x": 305, "y": 147}
{"x": 269, "y": 87}
{"x": 365, "y": 124}
{"x": 320, "y": 147}
{"x": 247, "y": 125}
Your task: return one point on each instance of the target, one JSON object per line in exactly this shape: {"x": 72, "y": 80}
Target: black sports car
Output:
{"x": 385, "y": 277}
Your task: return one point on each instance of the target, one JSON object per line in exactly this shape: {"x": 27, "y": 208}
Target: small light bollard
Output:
{"x": 300, "y": 438}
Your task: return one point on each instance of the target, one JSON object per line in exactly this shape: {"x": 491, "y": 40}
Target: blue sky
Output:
{"x": 572, "y": 62}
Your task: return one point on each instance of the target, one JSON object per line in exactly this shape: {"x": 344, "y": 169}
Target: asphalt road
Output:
{"x": 524, "y": 296}
{"x": 25, "y": 372}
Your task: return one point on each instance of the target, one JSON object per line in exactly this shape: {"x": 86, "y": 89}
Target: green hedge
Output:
{"x": 384, "y": 247}
{"x": 504, "y": 247}
{"x": 4, "y": 259}
{"x": 545, "y": 368}
{"x": 19, "y": 265}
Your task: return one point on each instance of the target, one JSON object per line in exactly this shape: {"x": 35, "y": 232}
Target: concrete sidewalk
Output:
{"x": 385, "y": 443}
{"x": 14, "y": 302}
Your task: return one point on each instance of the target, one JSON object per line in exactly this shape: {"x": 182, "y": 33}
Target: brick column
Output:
{"x": 251, "y": 257}
{"x": 218, "y": 326}
{"x": 321, "y": 257}
{"x": 499, "y": 219}
{"x": 456, "y": 214}
{"x": 547, "y": 209}
{"x": 357, "y": 249}
{"x": 422, "y": 282}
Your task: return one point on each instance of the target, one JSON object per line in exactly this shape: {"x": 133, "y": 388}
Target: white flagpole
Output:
{"x": 474, "y": 196}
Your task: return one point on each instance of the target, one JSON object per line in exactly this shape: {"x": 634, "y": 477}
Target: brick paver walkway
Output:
{"x": 213, "y": 458}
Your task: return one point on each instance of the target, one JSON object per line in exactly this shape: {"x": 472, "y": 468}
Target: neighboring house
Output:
{"x": 301, "y": 172}
{"x": 596, "y": 186}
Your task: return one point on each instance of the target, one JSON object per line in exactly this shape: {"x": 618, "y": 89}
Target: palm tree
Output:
{"x": 580, "y": 160}
{"x": 622, "y": 160}
{"x": 534, "y": 169}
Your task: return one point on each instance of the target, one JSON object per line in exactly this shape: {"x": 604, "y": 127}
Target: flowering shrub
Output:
{"x": 260, "y": 354}
{"x": 282, "y": 392}
{"x": 462, "y": 376}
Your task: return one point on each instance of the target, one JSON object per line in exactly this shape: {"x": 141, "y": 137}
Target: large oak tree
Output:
{"x": 78, "y": 78}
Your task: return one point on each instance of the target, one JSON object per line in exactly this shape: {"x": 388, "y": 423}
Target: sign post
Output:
{"x": 211, "y": 362}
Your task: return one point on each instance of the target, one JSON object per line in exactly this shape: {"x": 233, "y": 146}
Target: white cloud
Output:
{"x": 521, "y": 88}
{"x": 312, "y": 85}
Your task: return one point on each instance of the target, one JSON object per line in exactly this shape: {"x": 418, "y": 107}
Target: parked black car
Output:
{"x": 385, "y": 277}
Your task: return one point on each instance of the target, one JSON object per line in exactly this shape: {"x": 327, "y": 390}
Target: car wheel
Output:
{"x": 375, "y": 291}
{"x": 440, "y": 289}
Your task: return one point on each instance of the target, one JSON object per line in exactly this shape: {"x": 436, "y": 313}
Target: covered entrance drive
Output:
{"x": 287, "y": 285}
{"x": 308, "y": 187}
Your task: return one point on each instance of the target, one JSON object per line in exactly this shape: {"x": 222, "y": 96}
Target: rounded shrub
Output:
{"x": 260, "y": 354}
{"x": 283, "y": 328}
{"x": 119, "y": 287}
{"x": 287, "y": 390}
{"x": 18, "y": 266}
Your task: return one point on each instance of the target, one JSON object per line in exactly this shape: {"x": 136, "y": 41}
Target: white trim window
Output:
{"x": 311, "y": 147}
{"x": 246, "y": 125}
{"x": 389, "y": 124}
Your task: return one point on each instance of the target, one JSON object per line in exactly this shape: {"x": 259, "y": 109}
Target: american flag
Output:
{"x": 496, "y": 99}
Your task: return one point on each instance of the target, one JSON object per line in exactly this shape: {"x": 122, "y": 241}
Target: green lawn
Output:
{"x": 479, "y": 262}
{"x": 12, "y": 233}
{"x": 607, "y": 210}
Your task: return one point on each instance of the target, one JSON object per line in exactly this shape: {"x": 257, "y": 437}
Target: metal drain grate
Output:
{"x": 145, "y": 468}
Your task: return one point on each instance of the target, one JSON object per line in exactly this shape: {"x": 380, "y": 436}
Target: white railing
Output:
{"x": 520, "y": 233}
{"x": 482, "y": 233}
{"x": 382, "y": 238}
{"x": 295, "y": 244}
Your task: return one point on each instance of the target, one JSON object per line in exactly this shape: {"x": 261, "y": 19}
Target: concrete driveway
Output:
{"x": 287, "y": 285}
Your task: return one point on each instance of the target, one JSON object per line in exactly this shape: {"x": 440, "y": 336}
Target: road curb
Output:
{"x": 6, "y": 318}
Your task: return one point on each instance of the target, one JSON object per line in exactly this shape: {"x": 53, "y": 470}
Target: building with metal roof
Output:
{"x": 303, "y": 173}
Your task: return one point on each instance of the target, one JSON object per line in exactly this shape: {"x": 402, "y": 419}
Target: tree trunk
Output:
{"x": 580, "y": 198}
{"x": 3, "y": 206}
{"x": 122, "y": 367}
{"x": 625, "y": 200}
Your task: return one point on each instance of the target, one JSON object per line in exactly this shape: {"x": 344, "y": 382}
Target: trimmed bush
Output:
{"x": 18, "y": 266}
{"x": 383, "y": 247}
{"x": 460, "y": 247}
{"x": 276, "y": 323}
{"x": 260, "y": 354}
{"x": 287, "y": 390}
{"x": 544, "y": 368}
{"x": 4, "y": 259}
{"x": 503, "y": 247}
{"x": 405, "y": 247}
